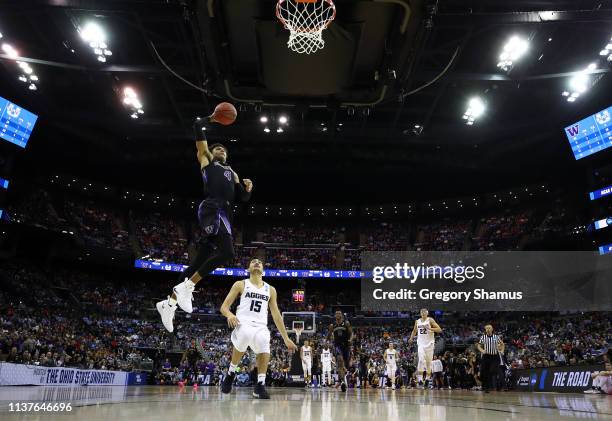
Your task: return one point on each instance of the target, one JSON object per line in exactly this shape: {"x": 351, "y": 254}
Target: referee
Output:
{"x": 490, "y": 346}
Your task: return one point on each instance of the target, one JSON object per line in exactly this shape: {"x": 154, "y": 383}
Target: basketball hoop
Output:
{"x": 298, "y": 332}
{"x": 305, "y": 20}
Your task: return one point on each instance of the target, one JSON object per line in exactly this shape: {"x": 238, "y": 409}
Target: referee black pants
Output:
{"x": 489, "y": 366}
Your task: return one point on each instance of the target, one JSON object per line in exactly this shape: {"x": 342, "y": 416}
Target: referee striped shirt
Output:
{"x": 490, "y": 343}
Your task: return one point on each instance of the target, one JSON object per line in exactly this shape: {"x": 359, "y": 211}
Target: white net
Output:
{"x": 305, "y": 21}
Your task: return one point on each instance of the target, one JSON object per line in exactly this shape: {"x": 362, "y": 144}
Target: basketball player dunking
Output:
{"x": 250, "y": 324}
{"x": 221, "y": 184}
{"x": 306, "y": 356}
{"x": 425, "y": 327}
{"x": 341, "y": 333}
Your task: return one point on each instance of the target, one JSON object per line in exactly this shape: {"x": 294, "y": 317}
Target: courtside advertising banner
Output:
{"x": 486, "y": 281}
{"x": 571, "y": 379}
{"x": 22, "y": 374}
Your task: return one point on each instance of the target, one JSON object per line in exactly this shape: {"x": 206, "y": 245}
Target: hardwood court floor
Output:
{"x": 116, "y": 403}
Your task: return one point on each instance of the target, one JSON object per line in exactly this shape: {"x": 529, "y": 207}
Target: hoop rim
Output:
{"x": 316, "y": 29}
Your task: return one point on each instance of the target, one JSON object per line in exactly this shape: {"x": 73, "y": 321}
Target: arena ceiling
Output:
{"x": 362, "y": 110}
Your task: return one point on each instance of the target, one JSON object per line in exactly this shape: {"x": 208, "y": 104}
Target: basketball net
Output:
{"x": 298, "y": 332}
{"x": 305, "y": 20}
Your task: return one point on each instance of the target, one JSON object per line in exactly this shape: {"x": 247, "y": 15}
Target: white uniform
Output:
{"x": 326, "y": 363}
{"x": 391, "y": 360}
{"x": 252, "y": 313}
{"x": 425, "y": 343}
{"x": 307, "y": 361}
{"x": 437, "y": 366}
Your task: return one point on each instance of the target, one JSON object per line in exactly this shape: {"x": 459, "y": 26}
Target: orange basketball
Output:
{"x": 225, "y": 113}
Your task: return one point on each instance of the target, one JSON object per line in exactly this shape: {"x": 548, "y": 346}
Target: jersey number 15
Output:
{"x": 256, "y": 306}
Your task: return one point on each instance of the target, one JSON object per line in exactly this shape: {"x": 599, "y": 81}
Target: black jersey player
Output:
{"x": 221, "y": 186}
{"x": 341, "y": 333}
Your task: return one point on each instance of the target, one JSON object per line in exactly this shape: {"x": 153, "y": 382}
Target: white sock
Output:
{"x": 171, "y": 302}
{"x": 232, "y": 368}
{"x": 261, "y": 379}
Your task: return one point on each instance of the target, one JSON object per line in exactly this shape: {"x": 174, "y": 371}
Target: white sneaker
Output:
{"x": 184, "y": 296}
{"x": 166, "y": 311}
{"x": 393, "y": 387}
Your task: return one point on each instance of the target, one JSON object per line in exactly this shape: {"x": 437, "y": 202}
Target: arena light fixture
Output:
{"x": 282, "y": 119}
{"x": 132, "y": 102}
{"x": 263, "y": 119}
{"x": 95, "y": 37}
{"x": 579, "y": 83}
{"x": 512, "y": 51}
{"x": 279, "y": 130}
{"x": 267, "y": 130}
{"x": 475, "y": 109}
{"x": 10, "y": 51}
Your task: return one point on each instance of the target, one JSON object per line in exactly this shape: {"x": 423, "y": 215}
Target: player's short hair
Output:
{"x": 255, "y": 258}
{"x": 215, "y": 145}
{"x": 423, "y": 309}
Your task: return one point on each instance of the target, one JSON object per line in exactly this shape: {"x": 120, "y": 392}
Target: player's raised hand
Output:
{"x": 248, "y": 185}
{"x": 232, "y": 321}
{"x": 290, "y": 345}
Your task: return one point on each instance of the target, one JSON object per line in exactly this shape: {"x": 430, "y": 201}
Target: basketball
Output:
{"x": 225, "y": 113}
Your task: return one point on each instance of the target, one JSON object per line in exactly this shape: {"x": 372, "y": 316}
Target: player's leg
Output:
{"x": 428, "y": 363}
{"x": 391, "y": 372}
{"x": 217, "y": 251}
{"x": 261, "y": 346}
{"x": 309, "y": 371}
{"x": 420, "y": 366}
{"x": 241, "y": 336}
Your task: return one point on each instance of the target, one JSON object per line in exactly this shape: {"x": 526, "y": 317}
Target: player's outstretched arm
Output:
{"x": 199, "y": 126}
{"x": 278, "y": 320}
{"x": 435, "y": 327}
{"x": 232, "y": 320}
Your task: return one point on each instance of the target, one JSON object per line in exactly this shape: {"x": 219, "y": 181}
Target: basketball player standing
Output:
{"x": 425, "y": 327}
{"x": 221, "y": 185}
{"x": 341, "y": 333}
{"x": 326, "y": 365}
{"x": 391, "y": 360}
{"x": 250, "y": 324}
{"x": 306, "y": 356}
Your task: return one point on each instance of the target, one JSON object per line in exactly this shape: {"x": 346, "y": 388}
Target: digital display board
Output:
{"x": 603, "y": 223}
{"x": 598, "y": 194}
{"x": 298, "y": 295}
{"x": 4, "y": 183}
{"x": 605, "y": 249}
{"x": 591, "y": 135}
{"x": 273, "y": 273}
{"x": 16, "y": 124}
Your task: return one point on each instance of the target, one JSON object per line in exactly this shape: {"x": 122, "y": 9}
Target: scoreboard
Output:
{"x": 16, "y": 124}
{"x": 591, "y": 135}
{"x": 298, "y": 295}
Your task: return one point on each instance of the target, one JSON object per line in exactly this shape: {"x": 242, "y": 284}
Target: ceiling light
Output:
{"x": 476, "y": 108}
{"x": 282, "y": 119}
{"x": 263, "y": 119}
{"x": 10, "y": 51}
{"x": 513, "y": 50}
{"x": 267, "y": 130}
